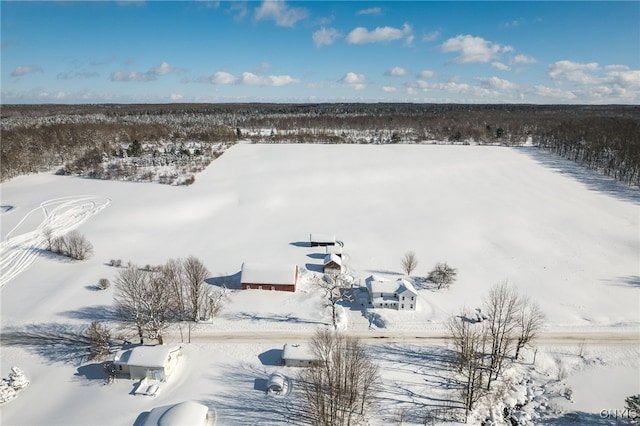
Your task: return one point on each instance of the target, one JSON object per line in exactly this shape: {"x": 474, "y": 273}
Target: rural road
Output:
{"x": 626, "y": 336}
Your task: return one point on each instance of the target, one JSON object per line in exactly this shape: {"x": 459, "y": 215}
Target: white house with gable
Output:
{"x": 399, "y": 294}
{"x": 150, "y": 362}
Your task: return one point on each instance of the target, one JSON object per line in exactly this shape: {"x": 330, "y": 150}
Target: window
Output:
{"x": 402, "y": 306}
{"x": 411, "y": 297}
{"x": 402, "y": 297}
{"x": 411, "y": 306}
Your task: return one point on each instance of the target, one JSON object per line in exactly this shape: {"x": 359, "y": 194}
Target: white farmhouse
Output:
{"x": 399, "y": 294}
{"x": 147, "y": 362}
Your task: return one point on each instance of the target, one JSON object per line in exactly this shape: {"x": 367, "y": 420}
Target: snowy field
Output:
{"x": 566, "y": 237}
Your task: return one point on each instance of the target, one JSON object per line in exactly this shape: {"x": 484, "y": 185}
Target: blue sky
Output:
{"x": 320, "y": 51}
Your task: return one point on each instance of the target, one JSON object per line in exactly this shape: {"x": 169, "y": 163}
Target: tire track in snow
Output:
{"x": 61, "y": 215}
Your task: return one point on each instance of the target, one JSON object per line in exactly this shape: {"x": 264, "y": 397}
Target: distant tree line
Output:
{"x": 602, "y": 137}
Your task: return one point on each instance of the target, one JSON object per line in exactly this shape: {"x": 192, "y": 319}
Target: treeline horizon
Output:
{"x": 601, "y": 137}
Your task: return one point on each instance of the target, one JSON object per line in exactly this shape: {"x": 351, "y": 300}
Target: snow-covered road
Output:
{"x": 559, "y": 337}
{"x": 60, "y": 215}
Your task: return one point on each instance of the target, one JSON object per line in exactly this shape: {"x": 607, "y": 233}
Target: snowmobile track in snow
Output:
{"x": 61, "y": 215}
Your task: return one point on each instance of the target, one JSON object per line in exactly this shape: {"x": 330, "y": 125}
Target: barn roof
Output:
{"x": 261, "y": 273}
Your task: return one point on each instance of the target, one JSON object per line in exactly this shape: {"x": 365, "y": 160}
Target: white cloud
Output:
{"x": 280, "y": 12}
{"x": 432, "y": 36}
{"x": 523, "y": 59}
{"x": 164, "y": 69}
{"x": 370, "y": 11}
{"x": 222, "y": 77}
{"x": 396, "y": 72}
{"x": 250, "y": 79}
{"x": 176, "y": 97}
{"x": 497, "y": 83}
{"x": 354, "y": 80}
{"x": 473, "y": 49}
{"x": 388, "y": 89}
{"x": 72, "y": 75}
{"x": 24, "y": 70}
{"x": 626, "y": 78}
{"x": 325, "y": 36}
{"x": 426, "y": 74}
{"x": 574, "y": 72}
{"x": 549, "y": 92}
{"x": 361, "y": 35}
{"x": 128, "y": 76}
{"x": 500, "y": 66}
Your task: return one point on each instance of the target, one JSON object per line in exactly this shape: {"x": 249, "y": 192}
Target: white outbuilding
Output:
{"x": 150, "y": 362}
{"x": 188, "y": 413}
{"x": 298, "y": 355}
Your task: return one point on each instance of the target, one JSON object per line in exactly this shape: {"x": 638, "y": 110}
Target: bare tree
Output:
{"x": 197, "y": 291}
{"x": 530, "y": 320}
{"x": 409, "y": 262}
{"x": 470, "y": 341}
{"x": 443, "y": 275}
{"x": 144, "y": 301}
{"x": 73, "y": 244}
{"x": 338, "y": 388}
{"x": 78, "y": 247}
{"x": 337, "y": 288}
{"x": 502, "y": 305}
{"x": 129, "y": 292}
{"x": 99, "y": 337}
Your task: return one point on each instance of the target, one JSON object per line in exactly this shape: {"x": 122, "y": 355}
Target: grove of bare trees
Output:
{"x": 150, "y": 300}
{"x": 338, "y": 389}
{"x": 484, "y": 347}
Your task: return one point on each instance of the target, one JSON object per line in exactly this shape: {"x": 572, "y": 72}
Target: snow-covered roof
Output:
{"x": 406, "y": 286}
{"x": 188, "y": 413}
{"x": 299, "y": 351}
{"x": 334, "y": 249}
{"x": 380, "y": 285}
{"x": 146, "y": 356}
{"x": 332, "y": 257}
{"x": 322, "y": 238}
{"x": 268, "y": 274}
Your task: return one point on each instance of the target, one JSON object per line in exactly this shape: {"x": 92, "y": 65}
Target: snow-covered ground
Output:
{"x": 566, "y": 237}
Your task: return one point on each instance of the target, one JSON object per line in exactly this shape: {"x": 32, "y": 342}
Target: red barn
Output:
{"x": 269, "y": 277}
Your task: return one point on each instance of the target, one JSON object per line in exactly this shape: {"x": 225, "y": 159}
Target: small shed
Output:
{"x": 332, "y": 264}
{"x": 188, "y": 413}
{"x": 298, "y": 355}
{"x": 322, "y": 240}
{"x": 150, "y": 362}
{"x": 335, "y": 249}
{"x": 269, "y": 277}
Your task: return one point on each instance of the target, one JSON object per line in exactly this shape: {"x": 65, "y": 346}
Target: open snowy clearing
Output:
{"x": 564, "y": 236}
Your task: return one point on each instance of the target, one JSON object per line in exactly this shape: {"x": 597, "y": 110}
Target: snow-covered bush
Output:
{"x": 7, "y": 393}
{"x": 17, "y": 379}
{"x": 103, "y": 284}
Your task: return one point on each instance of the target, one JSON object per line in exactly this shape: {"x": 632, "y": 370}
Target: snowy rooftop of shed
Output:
{"x": 188, "y": 413}
{"x": 146, "y": 356}
{"x": 298, "y": 351}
